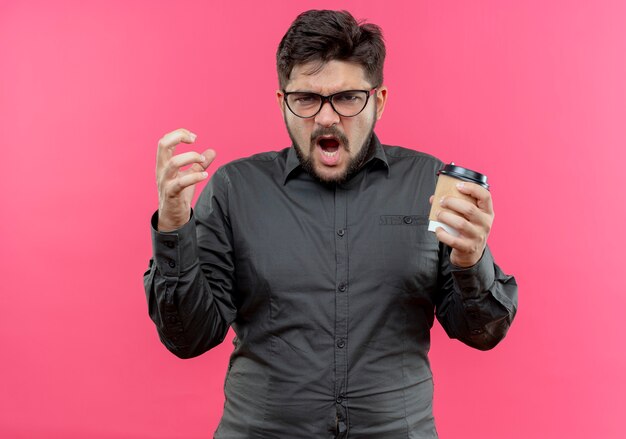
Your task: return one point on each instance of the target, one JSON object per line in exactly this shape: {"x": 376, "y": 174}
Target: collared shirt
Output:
{"x": 331, "y": 290}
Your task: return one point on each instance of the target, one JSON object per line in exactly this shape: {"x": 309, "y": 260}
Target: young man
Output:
{"x": 319, "y": 258}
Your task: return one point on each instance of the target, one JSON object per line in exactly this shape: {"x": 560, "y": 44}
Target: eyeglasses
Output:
{"x": 347, "y": 103}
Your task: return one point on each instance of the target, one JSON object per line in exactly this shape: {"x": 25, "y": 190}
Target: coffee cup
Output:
{"x": 447, "y": 179}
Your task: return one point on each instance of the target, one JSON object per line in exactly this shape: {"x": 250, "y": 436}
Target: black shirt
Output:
{"x": 331, "y": 291}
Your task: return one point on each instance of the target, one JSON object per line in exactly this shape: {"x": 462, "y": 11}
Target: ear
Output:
{"x": 381, "y": 100}
{"x": 280, "y": 100}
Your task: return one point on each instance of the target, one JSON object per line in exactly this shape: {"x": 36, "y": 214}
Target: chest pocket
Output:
{"x": 408, "y": 253}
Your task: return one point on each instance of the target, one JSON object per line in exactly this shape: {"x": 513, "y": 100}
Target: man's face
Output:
{"x": 330, "y": 146}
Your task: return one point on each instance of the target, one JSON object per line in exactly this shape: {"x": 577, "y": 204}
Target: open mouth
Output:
{"x": 329, "y": 146}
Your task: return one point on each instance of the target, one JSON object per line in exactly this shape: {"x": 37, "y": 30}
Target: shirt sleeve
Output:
{"x": 476, "y": 305}
{"x": 191, "y": 300}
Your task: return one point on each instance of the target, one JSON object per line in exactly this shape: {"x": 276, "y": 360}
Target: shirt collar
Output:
{"x": 292, "y": 165}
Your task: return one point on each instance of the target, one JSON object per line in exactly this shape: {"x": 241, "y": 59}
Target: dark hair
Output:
{"x": 322, "y": 36}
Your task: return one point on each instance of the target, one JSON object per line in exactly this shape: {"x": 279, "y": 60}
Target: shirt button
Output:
{"x": 407, "y": 220}
{"x": 339, "y": 399}
{"x": 341, "y": 343}
{"x": 477, "y": 331}
{"x": 342, "y": 287}
{"x": 169, "y": 244}
{"x": 172, "y": 264}
{"x": 341, "y": 232}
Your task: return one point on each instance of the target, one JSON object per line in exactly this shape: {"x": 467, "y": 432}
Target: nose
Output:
{"x": 327, "y": 116}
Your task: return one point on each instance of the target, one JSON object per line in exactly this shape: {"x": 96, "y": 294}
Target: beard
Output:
{"x": 354, "y": 164}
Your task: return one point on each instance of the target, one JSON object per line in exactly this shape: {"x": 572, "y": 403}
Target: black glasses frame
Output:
{"x": 329, "y": 99}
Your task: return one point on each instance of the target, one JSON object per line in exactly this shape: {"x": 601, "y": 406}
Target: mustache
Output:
{"x": 330, "y": 131}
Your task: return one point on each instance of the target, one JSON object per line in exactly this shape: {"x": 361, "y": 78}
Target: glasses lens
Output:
{"x": 350, "y": 103}
{"x": 304, "y": 104}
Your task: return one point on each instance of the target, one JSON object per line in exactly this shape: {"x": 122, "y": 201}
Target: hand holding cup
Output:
{"x": 462, "y": 213}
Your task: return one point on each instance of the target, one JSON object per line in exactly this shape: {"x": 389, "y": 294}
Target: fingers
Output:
{"x": 167, "y": 144}
{"x": 466, "y": 229}
{"x": 175, "y": 184}
{"x": 203, "y": 161}
{"x": 479, "y": 212}
{"x": 174, "y": 187}
{"x": 199, "y": 162}
{"x": 482, "y": 195}
{"x": 468, "y": 246}
{"x": 467, "y": 210}
{"x": 173, "y": 165}
{"x": 171, "y": 178}
{"x": 465, "y": 252}
{"x": 461, "y": 244}
{"x": 465, "y": 217}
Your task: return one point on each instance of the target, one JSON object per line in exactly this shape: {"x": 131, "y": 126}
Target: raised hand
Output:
{"x": 176, "y": 186}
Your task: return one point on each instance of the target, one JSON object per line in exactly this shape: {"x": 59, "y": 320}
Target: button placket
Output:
{"x": 341, "y": 299}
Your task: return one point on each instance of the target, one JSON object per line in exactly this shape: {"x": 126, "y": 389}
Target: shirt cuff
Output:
{"x": 176, "y": 251}
{"x": 473, "y": 281}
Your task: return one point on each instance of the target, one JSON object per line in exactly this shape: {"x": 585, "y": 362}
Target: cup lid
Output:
{"x": 464, "y": 174}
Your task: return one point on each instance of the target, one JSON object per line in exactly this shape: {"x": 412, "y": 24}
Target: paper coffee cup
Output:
{"x": 448, "y": 178}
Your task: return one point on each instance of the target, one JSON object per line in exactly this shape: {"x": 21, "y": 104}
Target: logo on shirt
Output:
{"x": 403, "y": 220}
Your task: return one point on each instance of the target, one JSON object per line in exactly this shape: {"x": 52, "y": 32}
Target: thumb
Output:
{"x": 209, "y": 156}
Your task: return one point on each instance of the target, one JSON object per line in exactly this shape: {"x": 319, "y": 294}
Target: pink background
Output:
{"x": 532, "y": 93}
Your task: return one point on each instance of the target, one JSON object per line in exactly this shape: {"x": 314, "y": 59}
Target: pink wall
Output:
{"x": 532, "y": 93}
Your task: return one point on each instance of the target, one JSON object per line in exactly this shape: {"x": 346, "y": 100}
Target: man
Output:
{"x": 319, "y": 258}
